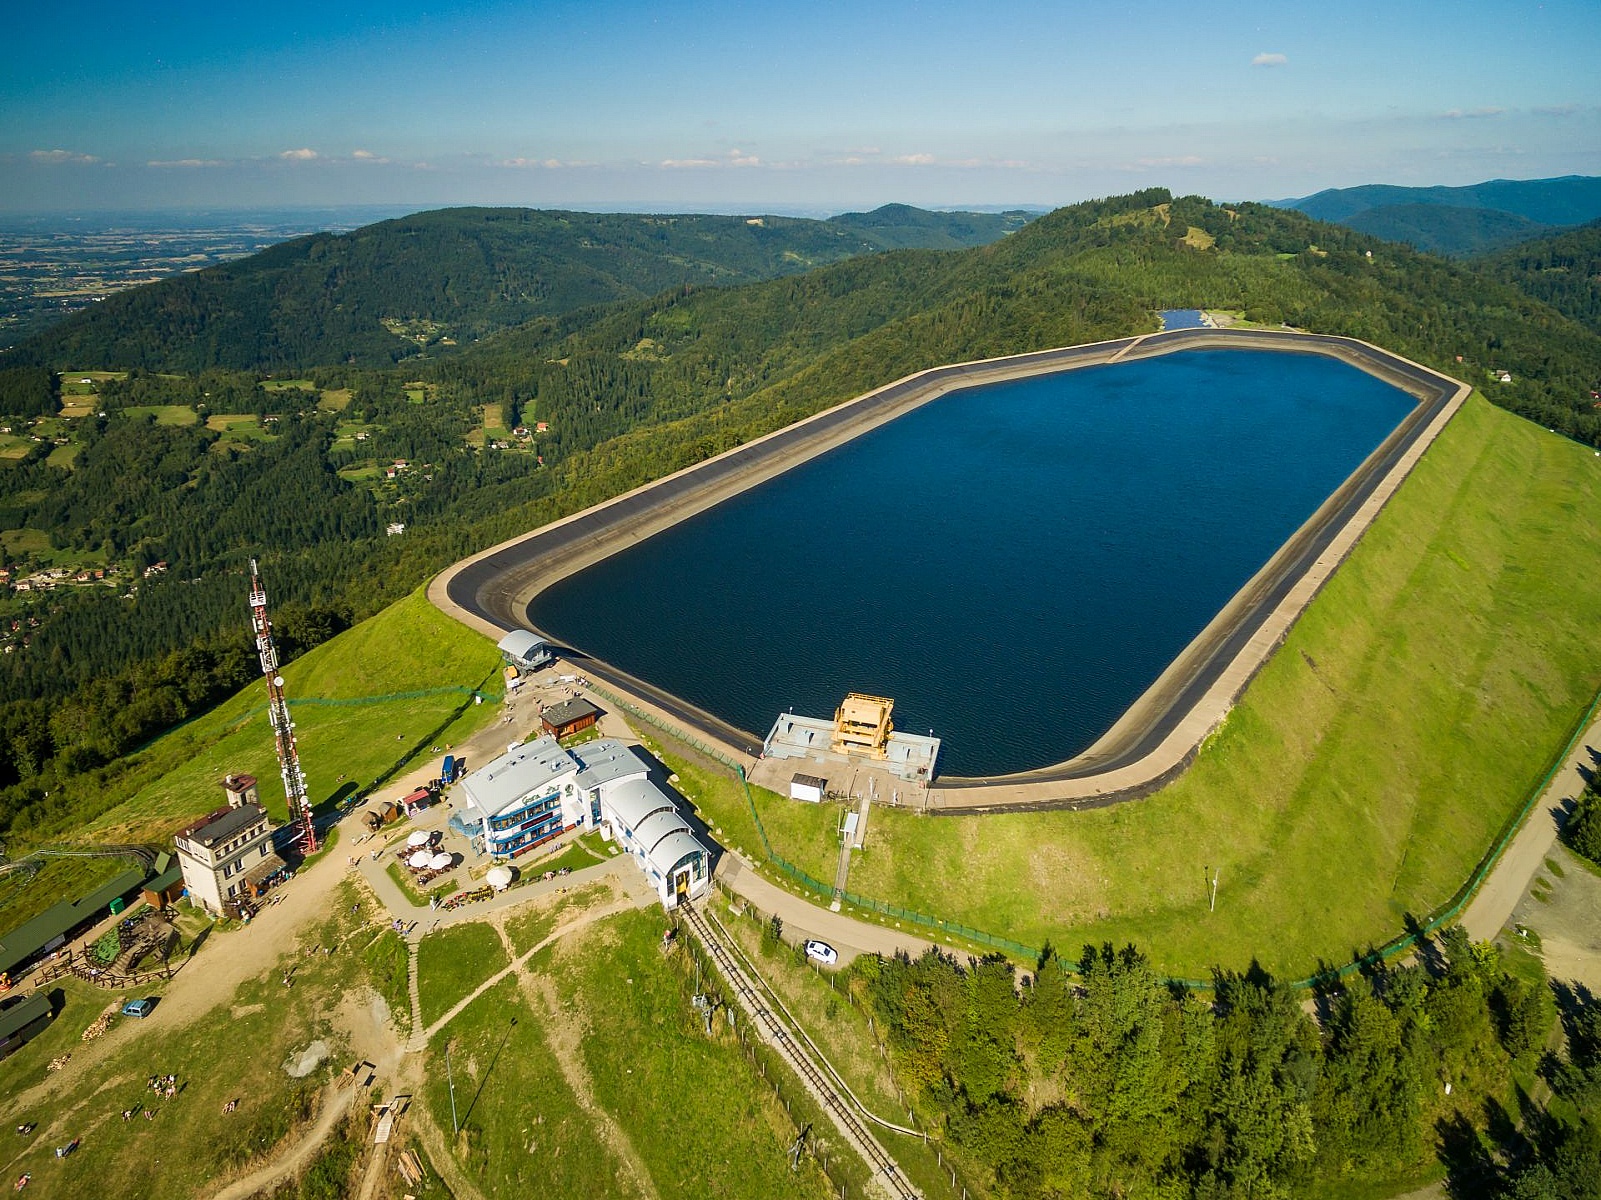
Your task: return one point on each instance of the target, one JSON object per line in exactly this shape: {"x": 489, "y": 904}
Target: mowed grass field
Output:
{"x": 1367, "y": 768}
{"x": 590, "y": 1074}
{"x": 409, "y": 647}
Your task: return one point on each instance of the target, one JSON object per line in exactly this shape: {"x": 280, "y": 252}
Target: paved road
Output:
{"x": 1491, "y": 907}
{"x": 803, "y": 919}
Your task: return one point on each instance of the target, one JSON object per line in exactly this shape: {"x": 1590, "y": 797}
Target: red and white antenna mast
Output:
{"x": 278, "y": 710}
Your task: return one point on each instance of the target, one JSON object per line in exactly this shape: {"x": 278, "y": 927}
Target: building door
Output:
{"x": 681, "y": 886}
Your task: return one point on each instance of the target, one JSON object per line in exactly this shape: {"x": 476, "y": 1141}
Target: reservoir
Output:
{"x": 1013, "y": 563}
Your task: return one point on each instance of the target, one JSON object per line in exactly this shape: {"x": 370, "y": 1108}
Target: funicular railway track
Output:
{"x": 837, "y": 1107}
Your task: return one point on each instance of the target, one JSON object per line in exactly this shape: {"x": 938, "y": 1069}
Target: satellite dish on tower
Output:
{"x": 278, "y": 680}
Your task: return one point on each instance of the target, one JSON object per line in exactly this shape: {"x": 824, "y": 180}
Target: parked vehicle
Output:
{"x": 139, "y": 1008}
{"x": 821, "y": 952}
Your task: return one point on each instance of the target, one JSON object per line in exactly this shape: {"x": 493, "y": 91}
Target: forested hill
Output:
{"x": 1564, "y": 270}
{"x": 1444, "y": 229}
{"x": 902, "y": 227}
{"x": 1569, "y": 200}
{"x": 1459, "y": 221}
{"x": 1092, "y": 270}
{"x": 430, "y": 282}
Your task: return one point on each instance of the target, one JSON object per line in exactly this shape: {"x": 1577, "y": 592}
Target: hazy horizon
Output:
{"x": 718, "y": 107}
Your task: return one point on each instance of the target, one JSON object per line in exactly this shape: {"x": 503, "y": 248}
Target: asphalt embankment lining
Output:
{"x": 1156, "y": 739}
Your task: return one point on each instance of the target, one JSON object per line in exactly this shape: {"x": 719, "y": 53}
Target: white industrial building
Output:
{"x": 525, "y": 652}
{"x": 538, "y": 791}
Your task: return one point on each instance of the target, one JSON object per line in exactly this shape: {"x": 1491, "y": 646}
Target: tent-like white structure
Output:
{"x": 419, "y": 837}
{"x": 440, "y": 861}
{"x": 499, "y": 878}
{"x": 420, "y": 860}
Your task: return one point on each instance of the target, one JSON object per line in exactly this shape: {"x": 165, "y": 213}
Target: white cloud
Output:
{"x": 186, "y": 162}
{"x": 1471, "y": 114}
{"x": 367, "y": 156}
{"x": 544, "y": 164}
{"x": 732, "y": 158}
{"x": 913, "y": 160}
{"x": 1269, "y": 60}
{"x": 1555, "y": 110}
{"x": 1172, "y": 160}
{"x": 61, "y": 156}
{"x": 301, "y": 155}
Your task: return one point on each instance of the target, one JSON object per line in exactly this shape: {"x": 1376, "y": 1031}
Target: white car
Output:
{"x": 821, "y": 952}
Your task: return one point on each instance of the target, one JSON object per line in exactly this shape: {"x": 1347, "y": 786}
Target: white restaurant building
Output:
{"x": 538, "y": 791}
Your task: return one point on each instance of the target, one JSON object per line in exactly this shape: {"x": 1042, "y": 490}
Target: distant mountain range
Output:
{"x": 433, "y": 281}
{"x": 1459, "y": 221}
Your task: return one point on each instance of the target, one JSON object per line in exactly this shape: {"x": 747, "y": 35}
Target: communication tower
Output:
{"x": 278, "y": 710}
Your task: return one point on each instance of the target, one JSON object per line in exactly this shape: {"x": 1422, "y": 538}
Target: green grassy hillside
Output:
{"x": 1366, "y": 769}
{"x": 410, "y": 647}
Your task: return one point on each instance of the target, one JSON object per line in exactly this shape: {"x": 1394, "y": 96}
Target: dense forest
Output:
{"x": 1567, "y": 200}
{"x": 1459, "y": 221}
{"x": 1440, "y": 229}
{"x": 1112, "y": 1082}
{"x": 1563, "y": 270}
{"x": 431, "y": 282}
{"x": 609, "y": 397}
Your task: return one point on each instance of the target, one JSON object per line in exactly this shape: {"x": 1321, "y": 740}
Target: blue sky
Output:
{"x": 815, "y": 107}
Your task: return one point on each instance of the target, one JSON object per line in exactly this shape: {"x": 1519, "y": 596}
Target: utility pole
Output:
{"x": 450, "y": 1078}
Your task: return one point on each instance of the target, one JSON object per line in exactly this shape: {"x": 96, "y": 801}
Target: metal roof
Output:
{"x": 650, "y": 832}
{"x": 673, "y": 848}
{"x": 516, "y": 774}
{"x": 32, "y": 936}
{"x": 20, "y": 1016}
{"x": 606, "y": 761}
{"x": 523, "y": 645}
{"x": 635, "y": 799}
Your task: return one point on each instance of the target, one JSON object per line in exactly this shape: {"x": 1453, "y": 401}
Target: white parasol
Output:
{"x": 499, "y": 878}
{"x": 420, "y": 860}
{"x": 419, "y": 837}
{"x": 440, "y": 861}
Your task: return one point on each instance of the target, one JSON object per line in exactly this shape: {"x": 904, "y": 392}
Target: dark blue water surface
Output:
{"x": 1014, "y": 564}
{"x": 1182, "y": 318}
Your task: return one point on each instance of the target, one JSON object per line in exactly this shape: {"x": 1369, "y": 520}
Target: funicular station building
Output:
{"x": 538, "y": 791}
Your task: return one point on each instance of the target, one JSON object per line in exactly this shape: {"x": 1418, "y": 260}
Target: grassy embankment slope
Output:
{"x": 409, "y": 647}
{"x": 589, "y": 1073}
{"x": 1366, "y": 769}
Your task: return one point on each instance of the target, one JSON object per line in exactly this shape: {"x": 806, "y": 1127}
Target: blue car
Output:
{"x": 139, "y": 1008}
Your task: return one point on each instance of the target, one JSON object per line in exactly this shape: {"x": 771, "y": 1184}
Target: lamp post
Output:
{"x": 451, "y": 1080}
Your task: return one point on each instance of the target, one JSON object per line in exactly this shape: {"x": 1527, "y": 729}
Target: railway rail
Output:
{"x": 838, "y": 1109}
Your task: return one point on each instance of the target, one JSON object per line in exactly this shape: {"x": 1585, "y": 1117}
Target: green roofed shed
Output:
{"x": 21, "y": 1021}
{"x": 52, "y": 926}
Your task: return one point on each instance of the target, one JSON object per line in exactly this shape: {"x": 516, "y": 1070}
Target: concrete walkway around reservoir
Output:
{"x": 1156, "y": 739}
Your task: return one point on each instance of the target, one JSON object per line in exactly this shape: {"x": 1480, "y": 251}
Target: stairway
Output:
{"x": 418, "y": 1039}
